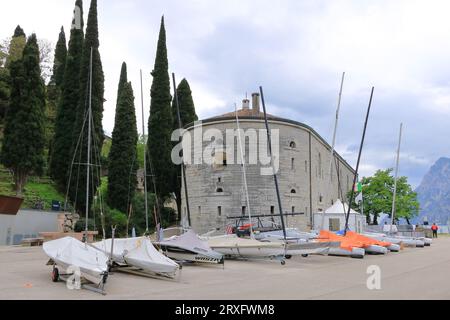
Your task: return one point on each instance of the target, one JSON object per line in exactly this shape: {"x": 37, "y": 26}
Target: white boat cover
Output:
{"x": 69, "y": 251}
{"x": 191, "y": 242}
{"x": 355, "y": 253}
{"x": 139, "y": 252}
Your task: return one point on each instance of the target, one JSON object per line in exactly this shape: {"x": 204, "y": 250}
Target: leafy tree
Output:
{"x": 61, "y": 155}
{"x": 24, "y": 137}
{"x": 187, "y": 116}
{"x": 122, "y": 156}
{"x": 378, "y": 195}
{"x": 91, "y": 41}
{"x": 160, "y": 123}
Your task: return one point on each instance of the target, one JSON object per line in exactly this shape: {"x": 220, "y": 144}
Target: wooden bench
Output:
{"x": 32, "y": 242}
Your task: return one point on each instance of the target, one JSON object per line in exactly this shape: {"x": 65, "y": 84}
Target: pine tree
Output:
{"x": 123, "y": 156}
{"x": 91, "y": 41}
{"x": 54, "y": 88}
{"x": 61, "y": 157}
{"x": 188, "y": 116}
{"x": 160, "y": 123}
{"x": 24, "y": 137}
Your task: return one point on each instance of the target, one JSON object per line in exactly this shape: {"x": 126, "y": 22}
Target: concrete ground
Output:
{"x": 419, "y": 273}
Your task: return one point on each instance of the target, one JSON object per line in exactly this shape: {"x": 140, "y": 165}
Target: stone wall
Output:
{"x": 304, "y": 180}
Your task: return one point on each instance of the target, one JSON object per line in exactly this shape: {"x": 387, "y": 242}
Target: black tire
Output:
{"x": 283, "y": 262}
{"x": 288, "y": 256}
{"x": 55, "y": 275}
{"x": 304, "y": 255}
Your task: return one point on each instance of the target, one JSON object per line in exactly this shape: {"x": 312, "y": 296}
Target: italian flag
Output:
{"x": 357, "y": 187}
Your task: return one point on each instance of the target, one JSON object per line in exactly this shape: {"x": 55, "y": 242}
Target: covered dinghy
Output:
{"x": 370, "y": 245}
{"x": 69, "y": 251}
{"x": 139, "y": 253}
{"x": 189, "y": 247}
{"x": 348, "y": 247}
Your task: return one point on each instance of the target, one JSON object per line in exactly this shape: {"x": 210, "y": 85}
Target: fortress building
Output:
{"x": 216, "y": 190}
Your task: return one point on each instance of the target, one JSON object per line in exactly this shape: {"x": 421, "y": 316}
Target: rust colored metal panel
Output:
{"x": 10, "y": 205}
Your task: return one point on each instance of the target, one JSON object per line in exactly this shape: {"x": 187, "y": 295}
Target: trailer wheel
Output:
{"x": 283, "y": 262}
{"x": 55, "y": 275}
{"x": 304, "y": 255}
{"x": 288, "y": 256}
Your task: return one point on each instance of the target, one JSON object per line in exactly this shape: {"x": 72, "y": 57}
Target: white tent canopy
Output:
{"x": 338, "y": 207}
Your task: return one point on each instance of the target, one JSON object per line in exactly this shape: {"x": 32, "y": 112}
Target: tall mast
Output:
{"x": 396, "y": 175}
{"x": 88, "y": 162}
{"x": 183, "y": 167}
{"x": 145, "y": 156}
{"x": 269, "y": 142}
{"x": 334, "y": 141}
{"x": 357, "y": 163}
{"x": 244, "y": 174}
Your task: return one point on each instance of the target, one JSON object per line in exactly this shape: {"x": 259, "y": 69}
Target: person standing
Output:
{"x": 435, "y": 229}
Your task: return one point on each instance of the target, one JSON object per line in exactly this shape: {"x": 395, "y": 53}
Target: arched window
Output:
{"x": 219, "y": 190}
{"x": 293, "y": 191}
{"x": 292, "y": 145}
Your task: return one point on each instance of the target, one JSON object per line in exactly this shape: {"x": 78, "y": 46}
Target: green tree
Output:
{"x": 378, "y": 195}
{"x": 54, "y": 88}
{"x": 91, "y": 41}
{"x": 160, "y": 123}
{"x": 24, "y": 137}
{"x": 11, "y": 53}
{"x": 187, "y": 116}
{"x": 61, "y": 155}
{"x": 122, "y": 162}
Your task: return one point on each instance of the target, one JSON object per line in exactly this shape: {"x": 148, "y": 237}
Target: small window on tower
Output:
{"x": 293, "y": 191}
{"x": 219, "y": 210}
{"x": 292, "y": 163}
{"x": 272, "y": 209}
{"x": 219, "y": 190}
{"x": 243, "y": 210}
{"x": 292, "y": 145}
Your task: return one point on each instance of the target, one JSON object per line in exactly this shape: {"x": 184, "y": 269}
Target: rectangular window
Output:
{"x": 293, "y": 209}
{"x": 219, "y": 210}
{"x": 199, "y": 210}
{"x": 292, "y": 164}
{"x": 334, "y": 224}
{"x": 306, "y": 166}
{"x": 272, "y": 209}
{"x": 243, "y": 210}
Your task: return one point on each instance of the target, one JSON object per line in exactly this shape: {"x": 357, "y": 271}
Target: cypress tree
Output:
{"x": 187, "y": 115}
{"x": 14, "y": 55}
{"x": 78, "y": 188}
{"x": 160, "y": 122}
{"x": 61, "y": 157}
{"x": 54, "y": 88}
{"x": 59, "y": 63}
{"x": 24, "y": 137}
{"x": 123, "y": 156}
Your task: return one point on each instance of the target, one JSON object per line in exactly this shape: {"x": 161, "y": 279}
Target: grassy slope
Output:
{"x": 35, "y": 189}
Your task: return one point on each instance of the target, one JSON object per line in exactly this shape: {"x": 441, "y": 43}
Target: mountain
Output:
{"x": 434, "y": 193}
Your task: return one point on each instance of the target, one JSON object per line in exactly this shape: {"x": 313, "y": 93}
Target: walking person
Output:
{"x": 435, "y": 229}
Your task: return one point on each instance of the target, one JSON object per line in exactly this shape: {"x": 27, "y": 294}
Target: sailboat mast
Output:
{"x": 357, "y": 163}
{"x": 145, "y": 156}
{"x": 396, "y": 175}
{"x": 334, "y": 140}
{"x": 244, "y": 173}
{"x": 88, "y": 162}
{"x": 269, "y": 142}
{"x": 183, "y": 167}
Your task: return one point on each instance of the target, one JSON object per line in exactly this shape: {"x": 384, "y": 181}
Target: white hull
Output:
{"x": 406, "y": 241}
{"x": 355, "y": 253}
{"x": 139, "y": 253}
{"x": 232, "y": 246}
{"x": 394, "y": 247}
{"x": 70, "y": 252}
{"x": 375, "y": 249}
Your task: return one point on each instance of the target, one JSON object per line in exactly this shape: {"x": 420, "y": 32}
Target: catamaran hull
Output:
{"x": 375, "y": 249}
{"x": 394, "y": 247}
{"x": 355, "y": 253}
{"x": 250, "y": 252}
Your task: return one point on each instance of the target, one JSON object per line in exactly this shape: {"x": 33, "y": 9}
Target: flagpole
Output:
{"x": 396, "y": 175}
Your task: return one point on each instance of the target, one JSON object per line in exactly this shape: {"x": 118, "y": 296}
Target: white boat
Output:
{"x": 189, "y": 247}
{"x": 297, "y": 243}
{"x": 139, "y": 253}
{"x": 398, "y": 240}
{"x": 70, "y": 252}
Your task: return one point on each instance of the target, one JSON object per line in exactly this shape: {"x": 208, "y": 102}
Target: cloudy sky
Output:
{"x": 297, "y": 50}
